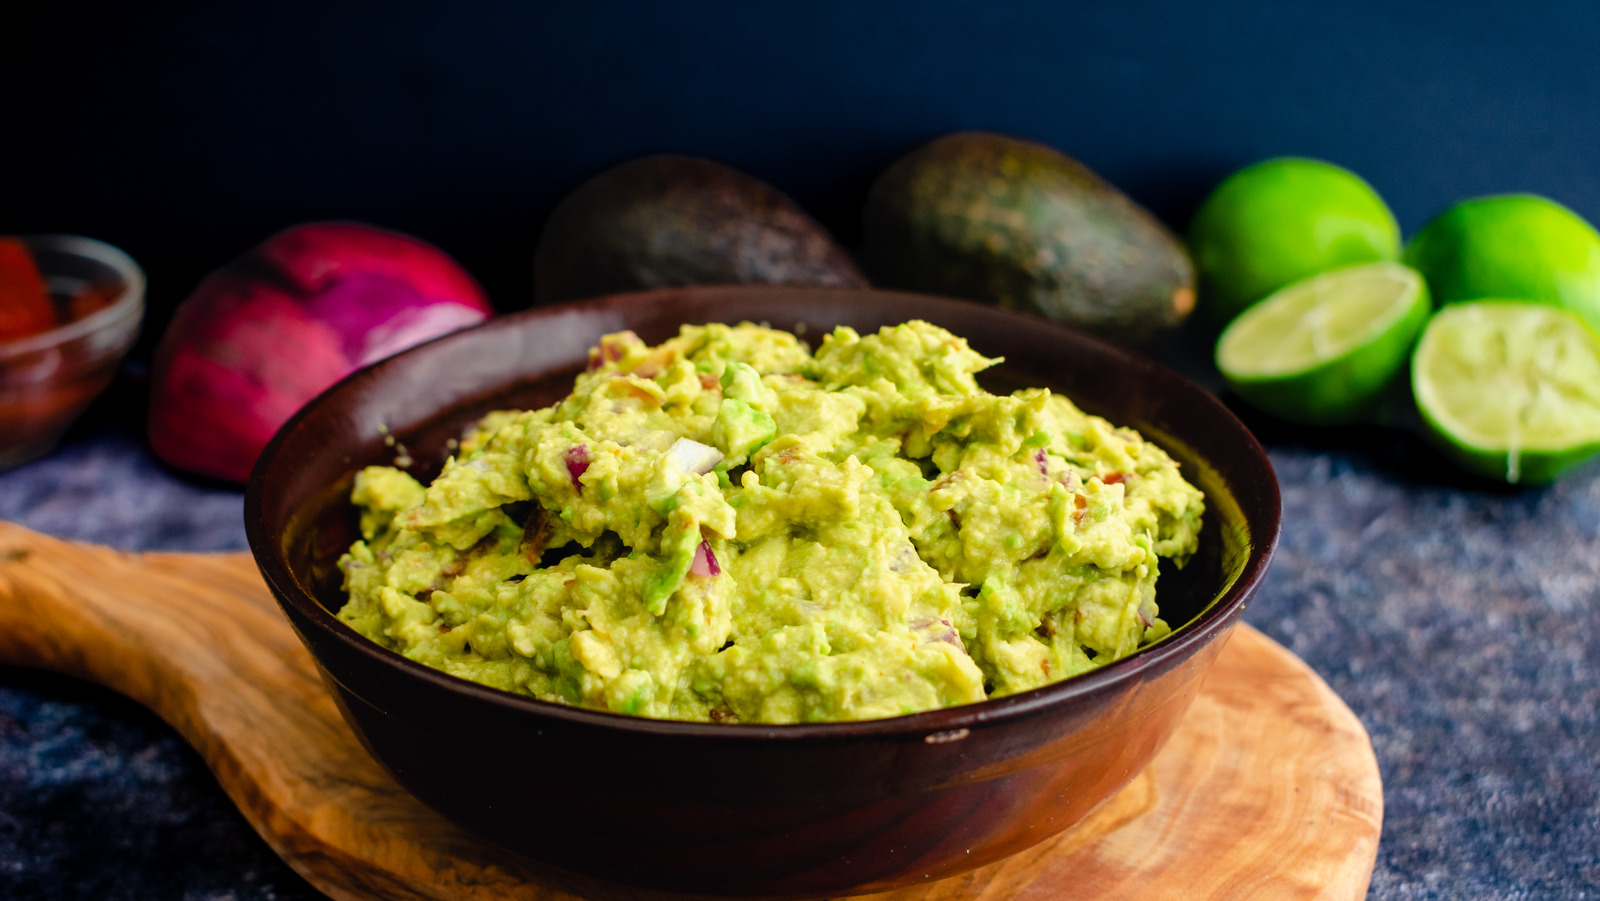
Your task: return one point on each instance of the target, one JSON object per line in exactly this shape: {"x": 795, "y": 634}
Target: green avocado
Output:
{"x": 1018, "y": 224}
{"x": 672, "y": 221}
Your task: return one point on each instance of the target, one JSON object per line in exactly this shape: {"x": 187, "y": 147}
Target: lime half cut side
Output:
{"x": 1510, "y": 390}
{"x": 1321, "y": 351}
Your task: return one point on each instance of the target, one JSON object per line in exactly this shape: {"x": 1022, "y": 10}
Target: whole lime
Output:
{"x": 1279, "y": 221}
{"x": 1511, "y": 247}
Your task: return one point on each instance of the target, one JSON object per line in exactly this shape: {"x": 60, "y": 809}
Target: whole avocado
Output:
{"x": 670, "y": 221}
{"x": 1019, "y": 224}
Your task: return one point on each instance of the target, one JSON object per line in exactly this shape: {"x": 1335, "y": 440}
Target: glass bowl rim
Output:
{"x": 129, "y": 304}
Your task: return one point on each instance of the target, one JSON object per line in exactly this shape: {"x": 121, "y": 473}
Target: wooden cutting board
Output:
{"x": 1269, "y": 788}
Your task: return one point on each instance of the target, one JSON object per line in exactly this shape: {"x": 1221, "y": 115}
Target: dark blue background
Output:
{"x": 186, "y": 133}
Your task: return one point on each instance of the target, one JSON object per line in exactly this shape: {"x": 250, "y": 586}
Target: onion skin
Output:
{"x": 272, "y": 329}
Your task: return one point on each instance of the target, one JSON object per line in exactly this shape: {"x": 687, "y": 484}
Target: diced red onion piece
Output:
{"x": 705, "y": 562}
{"x": 577, "y": 464}
{"x": 1147, "y": 611}
{"x": 616, "y": 348}
{"x": 937, "y": 630}
{"x": 693, "y": 457}
{"x": 1040, "y": 461}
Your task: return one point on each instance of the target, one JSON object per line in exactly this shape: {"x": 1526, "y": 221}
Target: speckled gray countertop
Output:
{"x": 1460, "y": 622}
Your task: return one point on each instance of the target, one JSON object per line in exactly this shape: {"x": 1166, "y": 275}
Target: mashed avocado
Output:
{"x": 726, "y": 527}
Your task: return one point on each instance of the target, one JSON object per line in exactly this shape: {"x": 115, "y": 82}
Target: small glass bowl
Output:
{"x": 47, "y": 380}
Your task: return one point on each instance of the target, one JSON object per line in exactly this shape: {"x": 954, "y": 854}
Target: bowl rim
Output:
{"x": 1215, "y": 618}
{"x": 130, "y": 303}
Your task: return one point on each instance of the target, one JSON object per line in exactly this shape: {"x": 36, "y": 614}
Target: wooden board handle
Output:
{"x": 131, "y": 622}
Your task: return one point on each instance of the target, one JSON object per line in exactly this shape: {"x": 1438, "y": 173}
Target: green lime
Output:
{"x": 1514, "y": 247}
{"x": 1323, "y": 349}
{"x": 1279, "y": 221}
{"x": 1510, "y": 390}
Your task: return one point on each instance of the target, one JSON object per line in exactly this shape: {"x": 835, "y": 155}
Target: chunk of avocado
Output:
{"x": 670, "y": 221}
{"x": 744, "y": 422}
{"x": 1016, "y": 223}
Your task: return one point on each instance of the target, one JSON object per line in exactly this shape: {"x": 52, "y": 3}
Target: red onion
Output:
{"x": 1147, "y": 610}
{"x": 578, "y": 461}
{"x": 931, "y": 630}
{"x": 705, "y": 562}
{"x": 270, "y": 330}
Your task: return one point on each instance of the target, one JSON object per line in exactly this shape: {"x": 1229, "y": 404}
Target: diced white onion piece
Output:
{"x": 693, "y": 457}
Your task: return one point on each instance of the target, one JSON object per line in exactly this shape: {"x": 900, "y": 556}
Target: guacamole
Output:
{"x": 727, "y": 527}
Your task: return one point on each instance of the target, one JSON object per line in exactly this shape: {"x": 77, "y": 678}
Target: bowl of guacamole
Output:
{"x": 777, "y": 591}
{"x": 727, "y": 527}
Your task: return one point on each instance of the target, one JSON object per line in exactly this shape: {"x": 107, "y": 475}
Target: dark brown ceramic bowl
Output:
{"x": 791, "y": 811}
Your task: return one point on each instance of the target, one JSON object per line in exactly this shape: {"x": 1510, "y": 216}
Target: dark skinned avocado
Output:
{"x": 1019, "y": 224}
{"x": 670, "y": 221}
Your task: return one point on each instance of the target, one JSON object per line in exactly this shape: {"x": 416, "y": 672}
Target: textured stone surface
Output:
{"x": 1460, "y": 623}
{"x": 1461, "y": 626}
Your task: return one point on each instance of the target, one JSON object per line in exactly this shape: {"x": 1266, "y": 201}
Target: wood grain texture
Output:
{"x": 1269, "y": 789}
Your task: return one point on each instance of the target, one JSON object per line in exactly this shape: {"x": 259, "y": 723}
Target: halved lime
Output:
{"x": 1281, "y": 220}
{"x": 1511, "y": 390}
{"x": 1323, "y": 349}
